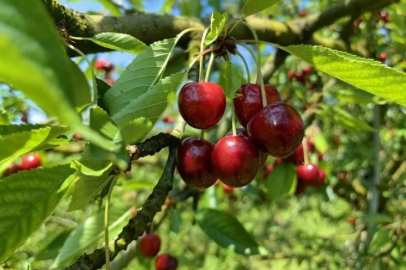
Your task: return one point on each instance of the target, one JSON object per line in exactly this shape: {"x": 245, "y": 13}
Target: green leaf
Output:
{"x": 376, "y": 218}
{"x": 102, "y": 88}
{"x": 118, "y": 42}
{"x": 139, "y": 77}
{"x": 80, "y": 91}
{"x": 37, "y": 64}
{"x": 138, "y": 185}
{"x": 27, "y": 199}
{"x": 280, "y": 181}
{"x": 50, "y": 251}
{"x": 152, "y": 104}
{"x": 226, "y": 230}
{"x": 366, "y": 74}
{"x": 27, "y": 138}
{"x": 354, "y": 96}
{"x": 134, "y": 131}
{"x": 380, "y": 241}
{"x": 89, "y": 232}
{"x": 321, "y": 143}
{"x": 218, "y": 21}
{"x": 233, "y": 80}
{"x": 254, "y": 6}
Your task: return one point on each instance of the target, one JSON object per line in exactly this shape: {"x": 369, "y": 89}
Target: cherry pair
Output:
{"x": 28, "y": 162}
{"x": 150, "y": 246}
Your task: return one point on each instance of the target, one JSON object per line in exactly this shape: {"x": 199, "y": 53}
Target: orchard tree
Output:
{"x": 258, "y": 134}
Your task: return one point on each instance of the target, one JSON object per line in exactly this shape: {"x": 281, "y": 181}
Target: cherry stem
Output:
{"x": 209, "y": 66}
{"x": 234, "y": 129}
{"x": 305, "y": 151}
{"x": 94, "y": 83}
{"x": 202, "y": 134}
{"x": 246, "y": 66}
{"x": 201, "y": 55}
{"x": 106, "y": 223}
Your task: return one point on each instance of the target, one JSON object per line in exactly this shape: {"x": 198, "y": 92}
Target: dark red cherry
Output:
{"x": 30, "y": 161}
{"x": 194, "y": 163}
{"x": 108, "y": 66}
{"x": 308, "y": 173}
{"x": 383, "y": 56}
{"x": 235, "y": 161}
{"x": 300, "y": 77}
{"x": 166, "y": 262}
{"x": 266, "y": 171}
{"x": 303, "y": 13}
{"x": 322, "y": 178}
{"x": 320, "y": 155}
{"x": 249, "y": 101}
{"x": 202, "y": 104}
{"x": 227, "y": 189}
{"x": 150, "y": 245}
{"x": 307, "y": 70}
{"x": 300, "y": 187}
{"x": 278, "y": 161}
{"x": 310, "y": 145}
{"x": 312, "y": 86}
{"x": 278, "y": 129}
{"x": 297, "y": 157}
{"x": 291, "y": 75}
{"x": 12, "y": 169}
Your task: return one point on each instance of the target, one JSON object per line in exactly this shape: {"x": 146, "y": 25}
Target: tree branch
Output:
{"x": 137, "y": 225}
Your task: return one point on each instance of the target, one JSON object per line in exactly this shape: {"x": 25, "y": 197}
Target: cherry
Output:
{"x": 302, "y": 13}
{"x": 30, "y": 161}
{"x": 266, "y": 171}
{"x": 100, "y": 64}
{"x": 308, "y": 173}
{"x": 320, "y": 156}
{"x": 291, "y": 75}
{"x": 150, "y": 245}
{"x": 168, "y": 119}
{"x": 307, "y": 70}
{"x": 110, "y": 81}
{"x": 300, "y": 187}
{"x": 202, "y": 104}
{"x": 12, "y": 169}
{"x": 351, "y": 220}
{"x": 166, "y": 262}
{"x": 300, "y": 77}
{"x": 382, "y": 57}
{"x": 235, "y": 160}
{"x": 278, "y": 161}
{"x": 342, "y": 176}
{"x": 77, "y": 136}
{"x": 278, "y": 129}
{"x": 249, "y": 101}
{"x": 108, "y": 66}
{"x": 194, "y": 163}
{"x": 134, "y": 211}
{"x": 322, "y": 177}
{"x": 297, "y": 157}
{"x": 227, "y": 189}
{"x": 312, "y": 86}
{"x": 310, "y": 145}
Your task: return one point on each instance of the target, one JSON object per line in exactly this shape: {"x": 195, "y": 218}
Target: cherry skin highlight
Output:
{"x": 31, "y": 161}
{"x": 249, "y": 101}
{"x": 194, "y": 163}
{"x": 278, "y": 129}
{"x": 166, "y": 262}
{"x": 308, "y": 173}
{"x": 150, "y": 245}
{"x": 235, "y": 161}
{"x": 202, "y": 104}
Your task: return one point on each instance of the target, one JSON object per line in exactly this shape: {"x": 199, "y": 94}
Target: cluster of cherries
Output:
{"x": 276, "y": 129}
{"x": 150, "y": 245}
{"x": 107, "y": 67}
{"x": 302, "y": 76}
{"x": 31, "y": 161}
{"x": 382, "y": 16}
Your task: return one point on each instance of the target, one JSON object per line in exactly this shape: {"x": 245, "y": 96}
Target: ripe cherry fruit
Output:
{"x": 382, "y": 57}
{"x": 308, "y": 173}
{"x": 300, "y": 187}
{"x": 235, "y": 160}
{"x": 194, "y": 163}
{"x": 266, "y": 171}
{"x": 278, "y": 129}
{"x": 249, "y": 101}
{"x": 166, "y": 262}
{"x": 150, "y": 245}
{"x": 12, "y": 169}
{"x": 227, "y": 189}
{"x": 31, "y": 161}
{"x": 202, "y": 104}
{"x": 322, "y": 178}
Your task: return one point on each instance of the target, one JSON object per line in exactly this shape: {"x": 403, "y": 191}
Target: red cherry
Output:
{"x": 278, "y": 161}
{"x": 351, "y": 220}
{"x": 297, "y": 157}
{"x": 249, "y": 101}
{"x": 291, "y": 75}
{"x": 308, "y": 173}
{"x": 310, "y": 145}
{"x": 77, "y": 136}
{"x": 235, "y": 160}
{"x": 300, "y": 77}
{"x": 227, "y": 189}
{"x": 300, "y": 187}
{"x": 134, "y": 212}
{"x": 312, "y": 86}
{"x": 307, "y": 70}
{"x": 194, "y": 163}
{"x": 168, "y": 119}
{"x": 322, "y": 178}
{"x": 320, "y": 155}
{"x": 31, "y": 161}
{"x": 342, "y": 176}
{"x": 166, "y": 262}
{"x": 266, "y": 171}
{"x": 302, "y": 13}
{"x": 12, "y": 169}
{"x": 278, "y": 129}
{"x": 150, "y": 245}
{"x": 202, "y": 104}
{"x": 110, "y": 81}
{"x": 100, "y": 64}
{"x": 382, "y": 57}
{"x": 108, "y": 66}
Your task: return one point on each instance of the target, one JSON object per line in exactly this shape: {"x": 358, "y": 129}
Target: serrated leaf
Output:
{"x": 217, "y": 23}
{"x": 280, "y": 181}
{"x": 354, "y": 96}
{"x": 226, "y": 230}
{"x": 366, "y": 74}
{"x": 139, "y": 77}
{"x": 27, "y": 199}
{"x": 118, "y": 42}
{"x": 37, "y": 64}
{"x": 91, "y": 168}
{"x": 233, "y": 80}
{"x": 102, "y": 88}
{"x": 50, "y": 251}
{"x": 152, "y": 104}
{"x": 254, "y": 6}
{"x": 30, "y": 138}
{"x": 89, "y": 232}
{"x": 134, "y": 131}
{"x": 321, "y": 143}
